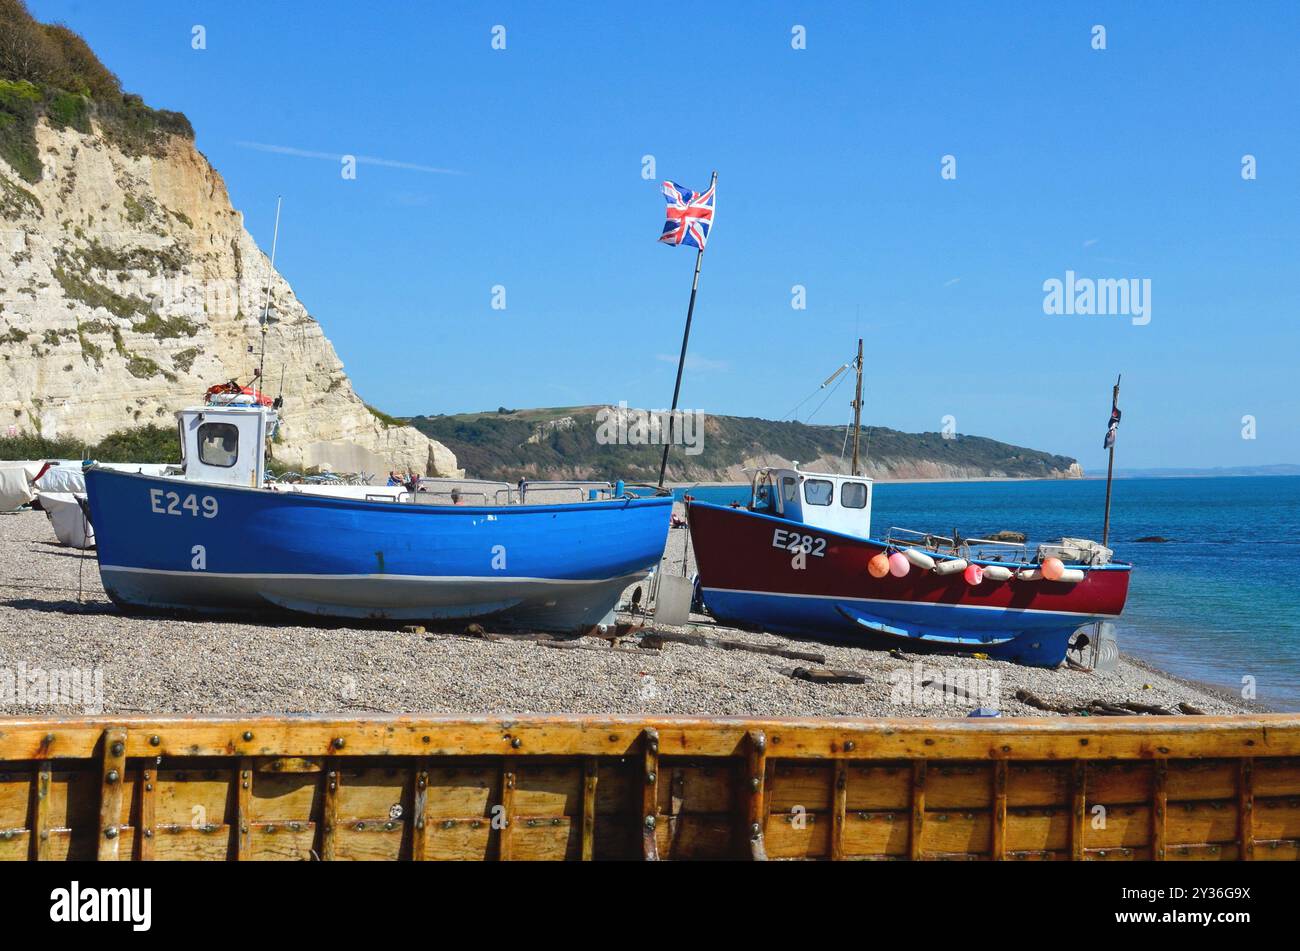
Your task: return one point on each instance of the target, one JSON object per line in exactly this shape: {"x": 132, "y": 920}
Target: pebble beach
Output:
{"x": 54, "y": 616}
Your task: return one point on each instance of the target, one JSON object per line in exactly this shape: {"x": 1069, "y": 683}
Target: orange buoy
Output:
{"x": 1053, "y": 568}
{"x": 973, "y": 574}
{"x": 878, "y": 566}
{"x": 898, "y": 565}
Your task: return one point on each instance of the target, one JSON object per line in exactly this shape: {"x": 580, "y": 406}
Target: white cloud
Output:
{"x": 694, "y": 363}
{"x": 338, "y": 157}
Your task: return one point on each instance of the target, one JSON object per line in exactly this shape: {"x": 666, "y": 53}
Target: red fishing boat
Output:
{"x": 801, "y": 559}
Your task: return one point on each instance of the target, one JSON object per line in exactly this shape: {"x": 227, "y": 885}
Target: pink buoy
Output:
{"x": 1053, "y": 568}
{"x": 973, "y": 574}
{"x": 878, "y": 566}
{"x": 899, "y": 565}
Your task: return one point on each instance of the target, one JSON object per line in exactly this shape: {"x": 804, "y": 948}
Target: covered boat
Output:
{"x": 801, "y": 559}
{"x": 217, "y": 537}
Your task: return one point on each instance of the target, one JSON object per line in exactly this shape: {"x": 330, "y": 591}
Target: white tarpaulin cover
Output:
{"x": 71, "y": 527}
{"x": 15, "y": 487}
{"x": 62, "y": 479}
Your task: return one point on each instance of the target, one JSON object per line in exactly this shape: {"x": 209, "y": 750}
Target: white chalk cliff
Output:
{"x": 128, "y": 285}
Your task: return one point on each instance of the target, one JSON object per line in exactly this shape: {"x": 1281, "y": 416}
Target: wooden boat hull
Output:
{"x": 400, "y": 787}
{"x": 750, "y": 576}
{"x": 165, "y": 543}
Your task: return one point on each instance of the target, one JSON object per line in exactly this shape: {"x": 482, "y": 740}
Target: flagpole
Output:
{"x": 1110, "y": 468}
{"x": 681, "y": 360}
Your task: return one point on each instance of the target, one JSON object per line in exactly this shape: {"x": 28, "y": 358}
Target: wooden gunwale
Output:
{"x": 584, "y": 788}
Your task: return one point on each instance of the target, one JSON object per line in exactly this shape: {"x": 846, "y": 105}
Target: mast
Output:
{"x": 681, "y": 361}
{"x": 1110, "y": 468}
{"x": 857, "y": 411}
{"x": 266, "y": 298}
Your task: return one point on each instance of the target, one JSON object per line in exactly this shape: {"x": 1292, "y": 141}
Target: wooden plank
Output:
{"x": 650, "y": 794}
{"x": 915, "y": 842}
{"x": 1016, "y": 739}
{"x": 998, "y": 845}
{"x": 756, "y": 780}
{"x": 112, "y": 776}
{"x": 1246, "y": 809}
{"x": 506, "y": 826}
{"x": 1159, "y": 809}
{"x": 148, "y": 814}
{"x": 41, "y": 814}
{"x": 1078, "y": 808}
{"x": 328, "y": 844}
{"x": 419, "y": 810}
{"x": 243, "y": 809}
{"x": 839, "y": 804}
{"x": 590, "y": 775}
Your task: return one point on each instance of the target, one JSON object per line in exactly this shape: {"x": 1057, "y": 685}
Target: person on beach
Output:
{"x": 393, "y": 480}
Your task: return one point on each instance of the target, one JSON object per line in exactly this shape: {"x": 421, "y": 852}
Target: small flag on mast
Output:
{"x": 1113, "y": 428}
{"x": 690, "y": 216}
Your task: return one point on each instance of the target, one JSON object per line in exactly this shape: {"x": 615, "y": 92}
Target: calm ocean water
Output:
{"x": 1219, "y": 602}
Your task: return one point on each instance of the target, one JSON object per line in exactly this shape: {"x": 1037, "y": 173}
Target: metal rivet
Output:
{"x": 148, "y": 833}
{"x": 117, "y": 748}
{"x": 112, "y": 776}
{"x": 754, "y": 784}
{"x": 155, "y": 740}
{"x": 338, "y": 742}
{"x": 650, "y": 776}
{"x": 248, "y": 735}
{"x": 649, "y": 822}
{"x": 110, "y": 832}
{"x": 516, "y": 742}
{"x": 756, "y": 830}
{"x": 849, "y": 746}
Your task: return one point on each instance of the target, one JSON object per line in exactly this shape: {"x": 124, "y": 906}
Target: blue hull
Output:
{"x": 1031, "y": 638}
{"x": 167, "y": 543}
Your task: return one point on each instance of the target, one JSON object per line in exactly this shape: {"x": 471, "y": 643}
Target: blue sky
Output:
{"x": 1116, "y": 163}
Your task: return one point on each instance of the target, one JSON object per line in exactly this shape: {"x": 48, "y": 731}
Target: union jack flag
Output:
{"x": 690, "y": 215}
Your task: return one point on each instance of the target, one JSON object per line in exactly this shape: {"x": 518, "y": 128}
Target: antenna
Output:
{"x": 266, "y": 299}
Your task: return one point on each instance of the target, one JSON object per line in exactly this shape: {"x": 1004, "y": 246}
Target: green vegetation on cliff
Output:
{"x": 48, "y": 71}
{"x": 141, "y": 444}
{"x": 563, "y": 443}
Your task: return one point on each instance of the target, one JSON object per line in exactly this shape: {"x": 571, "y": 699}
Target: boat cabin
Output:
{"x": 837, "y": 503}
{"x": 225, "y": 444}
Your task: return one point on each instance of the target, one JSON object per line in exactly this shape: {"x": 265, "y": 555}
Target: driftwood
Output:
{"x": 657, "y": 638}
{"x": 1101, "y": 708}
{"x": 825, "y": 675}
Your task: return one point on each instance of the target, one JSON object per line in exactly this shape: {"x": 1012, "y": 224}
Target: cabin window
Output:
{"x": 853, "y": 495}
{"x": 818, "y": 492}
{"x": 791, "y": 493}
{"x": 218, "y": 444}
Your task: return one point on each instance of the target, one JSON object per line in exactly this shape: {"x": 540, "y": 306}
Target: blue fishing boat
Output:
{"x": 217, "y": 536}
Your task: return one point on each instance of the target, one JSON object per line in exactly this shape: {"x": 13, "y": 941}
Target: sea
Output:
{"x": 1218, "y": 602}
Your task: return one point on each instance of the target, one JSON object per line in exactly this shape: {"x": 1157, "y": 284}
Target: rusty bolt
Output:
{"x": 338, "y": 742}
{"x": 110, "y": 832}
{"x": 248, "y": 735}
{"x": 516, "y": 743}
{"x": 155, "y": 740}
{"x": 118, "y": 748}
{"x": 148, "y": 787}
{"x": 849, "y": 746}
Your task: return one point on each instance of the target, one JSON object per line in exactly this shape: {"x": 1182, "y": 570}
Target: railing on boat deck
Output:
{"x": 650, "y": 787}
